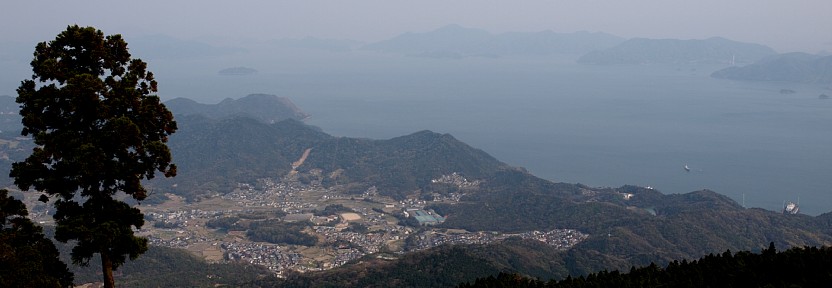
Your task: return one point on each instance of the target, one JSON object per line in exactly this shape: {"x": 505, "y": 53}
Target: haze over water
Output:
{"x": 601, "y": 126}
{"x": 596, "y": 125}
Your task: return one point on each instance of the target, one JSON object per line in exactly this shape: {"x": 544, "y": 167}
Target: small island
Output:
{"x": 237, "y": 71}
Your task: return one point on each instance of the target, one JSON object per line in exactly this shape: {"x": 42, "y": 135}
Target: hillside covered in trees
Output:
{"x": 628, "y": 225}
{"x": 796, "y": 267}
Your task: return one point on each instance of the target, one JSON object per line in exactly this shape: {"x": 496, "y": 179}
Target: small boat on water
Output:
{"x": 687, "y": 169}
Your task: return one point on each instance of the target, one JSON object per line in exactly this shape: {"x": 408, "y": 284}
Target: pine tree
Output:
{"x": 99, "y": 129}
{"x": 27, "y": 257}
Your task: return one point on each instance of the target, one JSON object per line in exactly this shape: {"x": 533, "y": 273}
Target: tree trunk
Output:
{"x": 107, "y": 270}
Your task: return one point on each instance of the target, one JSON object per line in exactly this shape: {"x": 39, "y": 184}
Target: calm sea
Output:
{"x": 596, "y": 125}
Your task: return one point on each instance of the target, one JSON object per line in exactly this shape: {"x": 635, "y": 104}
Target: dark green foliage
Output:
{"x": 796, "y": 267}
{"x": 506, "y": 280}
{"x": 169, "y": 267}
{"x": 357, "y": 228}
{"x": 334, "y": 209}
{"x": 279, "y": 232}
{"x": 166, "y": 225}
{"x": 152, "y": 199}
{"x": 224, "y": 223}
{"x": 27, "y": 257}
{"x": 99, "y": 130}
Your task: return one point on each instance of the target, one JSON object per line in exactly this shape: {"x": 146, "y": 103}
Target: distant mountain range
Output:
{"x": 673, "y": 51}
{"x": 789, "y": 67}
{"x": 262, "y": 107}
{"x": 458, "y": 40}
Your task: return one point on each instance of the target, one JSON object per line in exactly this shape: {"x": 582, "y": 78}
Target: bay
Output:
{"x": 596, "y": 125}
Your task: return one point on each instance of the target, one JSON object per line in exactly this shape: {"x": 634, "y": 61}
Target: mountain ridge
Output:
{"x": 714, "y": 50}
{"x": 220, "y": 153}
{"x": 263, "y": 107}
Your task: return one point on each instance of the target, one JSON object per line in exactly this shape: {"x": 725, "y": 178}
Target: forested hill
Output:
{"x": 263, "y": 107}
{"x": 649, "y": 227}
{"x": 215, "y": 155}
{"x": 627, "y": 225}
{"x": 796, "y": 267}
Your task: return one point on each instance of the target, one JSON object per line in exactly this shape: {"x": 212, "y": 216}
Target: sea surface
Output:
{"x": 567, "y": 122}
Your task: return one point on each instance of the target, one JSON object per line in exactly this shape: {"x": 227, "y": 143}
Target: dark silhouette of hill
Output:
{"x": 796, "y": 267}
{"x": 675, "y": 51}
{"x": 789, "y": 67}
{"x": 457, "y": 40}
{"x": 262, "y": 107}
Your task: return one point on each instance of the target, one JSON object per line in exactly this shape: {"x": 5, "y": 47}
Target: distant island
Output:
{"x": 674, "y": 51}
{"x": 789, "y": 67}
{"x": 237, "y": 71}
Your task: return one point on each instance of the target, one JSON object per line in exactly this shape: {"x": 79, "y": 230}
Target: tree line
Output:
{"x": 795, "y": 267}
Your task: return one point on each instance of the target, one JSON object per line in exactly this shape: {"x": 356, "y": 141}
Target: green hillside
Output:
{"x": 215, "y": 155}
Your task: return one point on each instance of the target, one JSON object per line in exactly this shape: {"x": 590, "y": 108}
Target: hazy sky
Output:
{"x": 793, "y": 25}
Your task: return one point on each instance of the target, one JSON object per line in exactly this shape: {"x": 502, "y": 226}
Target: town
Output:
{"x": 342, "y": 227}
